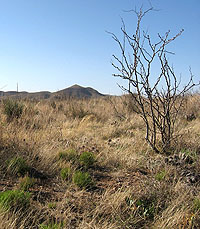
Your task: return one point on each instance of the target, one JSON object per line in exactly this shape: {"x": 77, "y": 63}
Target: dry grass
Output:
{"x": 134, "y": 187}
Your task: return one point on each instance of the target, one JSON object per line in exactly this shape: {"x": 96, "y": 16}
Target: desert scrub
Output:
{"x": 17, "y": 166}
{"x": 82, "y": 179}
{"x": 66, "y": 174}
{"x": 14, "y": 199}
{"x": 26, "y": 183}
{"x": 87, "y": 160}
{"x": 12, "y": 109}
{"x": 68, "y": 155}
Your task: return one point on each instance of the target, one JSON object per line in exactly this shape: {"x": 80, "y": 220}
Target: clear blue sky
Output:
{"x": 53, "y": 44}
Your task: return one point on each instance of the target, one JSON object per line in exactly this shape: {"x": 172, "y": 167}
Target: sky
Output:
{"x": 48, "y": 45}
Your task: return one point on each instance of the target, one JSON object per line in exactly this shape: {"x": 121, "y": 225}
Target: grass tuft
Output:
{"x": 12, "y": 109}
{"x": 68, "y": 155}
{"x": 82, "y": 179}
{"x": 66, "y": 174}
{"x": 26, "y": 183}
{"x": 17, "y": 166}
{"x": 14, "y": 199}
{"x": 87, "y": 159}
{"x": 160, "y": 175}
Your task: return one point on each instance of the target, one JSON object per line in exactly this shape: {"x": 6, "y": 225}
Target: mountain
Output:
{"x": 74, "y": 91}
{"x": 77, "y": 91}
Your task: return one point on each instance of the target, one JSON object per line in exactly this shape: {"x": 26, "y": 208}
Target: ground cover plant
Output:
{"x": 17, "y": 166}
{"x": 87, "y": 159}
{"x": 65, "y": 173}
{"x": 14, "y": 199}
{"x": 82, "y": 179}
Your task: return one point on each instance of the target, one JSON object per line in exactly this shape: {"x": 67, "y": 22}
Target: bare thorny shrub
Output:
{"x": 158, "y": 103}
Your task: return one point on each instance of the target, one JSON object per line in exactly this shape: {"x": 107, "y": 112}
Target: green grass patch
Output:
{"x": 66, "y": 174}
{"x": 82, "y": 179}
{"x": 87, "y": 160}
{"x": 52, "y": 205}
{"x": 161, "y": 175}
{"x": 14, "y": 199}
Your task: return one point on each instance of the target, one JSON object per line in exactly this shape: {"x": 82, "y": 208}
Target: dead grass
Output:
{"x": 134, "y": 187}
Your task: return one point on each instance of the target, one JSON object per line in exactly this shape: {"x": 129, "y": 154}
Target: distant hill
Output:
{"x": 77, "y": 91}
{"x": 24, "y": 95}
{"x": 74, "y": 91}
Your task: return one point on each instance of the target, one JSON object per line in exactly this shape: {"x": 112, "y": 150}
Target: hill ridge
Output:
{"x": 75, "y": 91}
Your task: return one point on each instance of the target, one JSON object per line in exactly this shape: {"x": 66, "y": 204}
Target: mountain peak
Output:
{"x": 78, "y": 91}
{"x": 75, "y": 86}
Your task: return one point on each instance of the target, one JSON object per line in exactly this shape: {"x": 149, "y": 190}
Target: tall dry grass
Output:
{"x": 134, "y": 187}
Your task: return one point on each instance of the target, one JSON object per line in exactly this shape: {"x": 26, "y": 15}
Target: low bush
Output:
{"x": 14, "y": 199}
{"x": 82, "y": 179}
{"x": 17, "y": 166}
{"x": 87, "y": 159}
{"x": 12, "y": 109}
